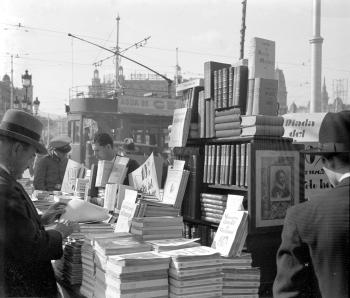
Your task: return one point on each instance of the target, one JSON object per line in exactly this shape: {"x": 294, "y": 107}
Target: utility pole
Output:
{"x": 11, "y": 96}
{"x": 117, "y": 84}
{"x": 243, "y": 27}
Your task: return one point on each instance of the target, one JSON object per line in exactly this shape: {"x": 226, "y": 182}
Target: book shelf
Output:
{"x": 246, "y": 166}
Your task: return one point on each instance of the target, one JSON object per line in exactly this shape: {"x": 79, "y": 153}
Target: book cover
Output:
{"x": 218, "y": 164}
{"x": 110, "y": 199}
{"x": 104, "y": 168}
{"x": 232, "y": 166}
{"x": 261, "y": 58}
{"x": 263, "y": 130}
{"x": 218, "y": 197}
{"x": 211, "y": 118}
{"x": 229, "y": 230}
{"x": 250, "y": 97}
{"x": 119, "y": 170}
{"x": 127, "y": 211}
{"x": 227, "y": 125}
{"x": 238, "y": 164}
{"x": 227, "y": 118}
{"x": 265, "y": 97}
{"x": 175, "y": 184}
{"x": 207, "y": 118}
{"x": 70, "y": 175}
{"x": 240, "y": 87}
{"x": 228, "y": 111}
{"x": 180, "y": 127}
{"x": 228, "y": 133}
{"x": 201, "y": 114}
{"x": 261, "y": 120}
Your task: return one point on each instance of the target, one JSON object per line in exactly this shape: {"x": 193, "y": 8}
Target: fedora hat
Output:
{"x": 334, "y": 135}
{"x": 23, "y": 127}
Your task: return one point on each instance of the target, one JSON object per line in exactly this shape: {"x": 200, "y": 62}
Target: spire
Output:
{"x": 324, "y": 97}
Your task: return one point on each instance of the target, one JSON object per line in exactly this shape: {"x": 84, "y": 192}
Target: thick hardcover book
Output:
{"x": 219, "y": 99}
{"x": 228, "y": 133}
{"x": 218, "y": 164}
{"x": 227, "y": 164}
{"x": 238, "y": 164}
{"x": 261, "y": 58}
{"x": 263, "y": 130}
{"x": 227, "y": 118}
{"x": 228, "y": 111}
{"x": 250, "y": 97}
{"x": 213, "y": 196}
{"x": 240, "y": 87}
{"x": 201, "y": 114}
{"x": 230, "y": 85}
{"x": 232, "y": 166}
{"x": 213, "y": 205}
{"x": 265, "y": 97}
{"x": 211, "y": 210}
{"x": 248, "y": 149}
{"x": 222, "y": 164}
{"x": 261, "y": 120}
{"x": 207, "y": 118}
{"x": 211, "y": 118}
{"x": 216, "y": 88}
{"x": 225, "y": 87}
{"x": 227, "y": 125}
{"x": 213, "y": 202}
{"x": 209, "y": 68}
{"x": 193, "y": 102}
{"x": 243, "y": 164}
{"x": 210, "y": 219}
{"x": 205, "y": 166}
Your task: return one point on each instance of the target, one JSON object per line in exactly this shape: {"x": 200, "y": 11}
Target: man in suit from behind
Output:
{"x": 313, "y": 258}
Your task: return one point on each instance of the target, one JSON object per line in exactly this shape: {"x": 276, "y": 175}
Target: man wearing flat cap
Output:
{"x": 26, "y": 248}
{"x": 49, "y": 171}
{"x": 313, "y": 258}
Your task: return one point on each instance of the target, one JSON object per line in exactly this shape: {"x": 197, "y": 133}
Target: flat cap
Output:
{"x": 61, "y": 143}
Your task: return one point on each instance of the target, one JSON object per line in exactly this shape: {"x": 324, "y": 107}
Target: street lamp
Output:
{"x": 36, "y": 105}
{"x": 24, "y": 104}
{"x": 16, "y": 103}
{"x": 26, "y": 82}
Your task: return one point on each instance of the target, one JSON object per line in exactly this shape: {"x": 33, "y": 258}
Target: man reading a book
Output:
{"x": 26, "y": 248}
{"x": 313, "y": 259}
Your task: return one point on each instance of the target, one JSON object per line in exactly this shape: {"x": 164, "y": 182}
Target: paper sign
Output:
{"x": 127, "y": 211}
{"x": 234, "y": 202}
{"x": 303, "y": 127}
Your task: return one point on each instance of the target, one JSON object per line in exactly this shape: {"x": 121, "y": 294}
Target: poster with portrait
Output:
{"x": 277, "y": 186}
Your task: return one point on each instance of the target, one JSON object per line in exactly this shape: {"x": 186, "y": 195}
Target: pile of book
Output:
{"x": 152, "y": 208}
{"x": 213, "y": 206}
{"x": 195, "y": 272}
{"x": 161, "y": 227}
{"x": 68, "y": 269}
{"x": 262, "y": 125}
{"x": 240, "y": 278}
{"x": 104, "y": 249}
{"x": 227, "y": 123}
{"x": 142, "y": 275}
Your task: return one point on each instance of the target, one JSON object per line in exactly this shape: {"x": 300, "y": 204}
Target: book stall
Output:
{"x": 214, "y": 228}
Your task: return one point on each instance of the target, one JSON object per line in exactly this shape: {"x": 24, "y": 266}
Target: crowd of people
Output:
{"x": 312, "y": 261}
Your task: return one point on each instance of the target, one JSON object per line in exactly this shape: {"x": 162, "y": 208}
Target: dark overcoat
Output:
{"x": 313, "y": 259}
{"x": 26, "y": 249}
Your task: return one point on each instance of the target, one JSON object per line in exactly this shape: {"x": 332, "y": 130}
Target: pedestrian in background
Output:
{"x": 49, "y": 170}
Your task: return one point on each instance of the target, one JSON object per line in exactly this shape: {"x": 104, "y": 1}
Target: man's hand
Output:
{"x": 67, "y": 227}
{"x": 54, "y": 212}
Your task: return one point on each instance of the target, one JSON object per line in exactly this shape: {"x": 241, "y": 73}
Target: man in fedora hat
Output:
{"x": 313, "y": 258}
{"x": 26, "y": 248}
{"x": 49, "y": 170}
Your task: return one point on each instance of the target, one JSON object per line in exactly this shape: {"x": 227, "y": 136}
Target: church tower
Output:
{"x": 324, "y": 97}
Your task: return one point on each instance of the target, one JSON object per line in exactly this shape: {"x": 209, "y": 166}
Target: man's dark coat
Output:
{"x": 26, "y": 249}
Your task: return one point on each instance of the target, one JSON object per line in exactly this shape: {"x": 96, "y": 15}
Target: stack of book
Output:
{"x": 213, "y": 206}
{"x": 136, "y": 275}
{"x": 173, "y": 244}
{"x": 161, "y": 227}
{"x": 108, "y": 247}
{"x": 87, "y": 259}
{"x": 262, "y": 125}
{"x": 240, "y": 278}
{"x": 227, "y": 123}
{"x": 68, "y": 269}
{"x": 195, "y": 272}
{"x": 152, "y": 208}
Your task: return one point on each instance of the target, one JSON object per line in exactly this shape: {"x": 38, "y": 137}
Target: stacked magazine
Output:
{"x": 87, "y": 259}
{"x": 195, "y": 272}
{"x": 240, "y": 278}
{"x": 172, "y": 244}
{"x": 105, "y": 249}
{"x": 136, "y": 275}
{"x": 160, "y": 227}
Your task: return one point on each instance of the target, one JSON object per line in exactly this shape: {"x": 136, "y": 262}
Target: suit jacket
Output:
{"x": 26, "y": 249}
{"x": 313, "y": 259}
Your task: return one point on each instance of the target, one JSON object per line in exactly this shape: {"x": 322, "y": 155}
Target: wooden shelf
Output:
{"x": 228, "y": 187}
{"x": 238, "y": 139}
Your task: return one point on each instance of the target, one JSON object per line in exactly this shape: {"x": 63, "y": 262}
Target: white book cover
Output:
{"x": 127, "y": 211}
{"x": 229, "y": 232}
{"x": 81, "y": 211}
{"x": 70, "y": 175}
{"x": 172, "y": 186}
{"x": 119, "y": 170}
{"x": 110, "y": 196}
{"x": 144, "y": 178}
{"x": 104, "y": 168}
{"x": 180, "y": 127}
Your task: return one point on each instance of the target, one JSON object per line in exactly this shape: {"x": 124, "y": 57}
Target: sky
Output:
{"x": 202, "y": 30}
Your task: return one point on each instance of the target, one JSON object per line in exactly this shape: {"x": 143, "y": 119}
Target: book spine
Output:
{"x": 205, "y": 166}
{"x": 212, "y": 116}
{"x": 216, "y": 88}
{"x": 250, "y": 97}
{"x": 238, "y": 163}
{"x": 222, "y": 166}
{"x": 219, "y": 72}
{"x": 228, "y": 133}
{"x": 201, "y": 114}
{"x": 218, "y": 164}
{"x": 225, "y": 87}
{"x": 231, "y": 164}
{"x": 227, "y": 163}
{"x": 247, "y": 165}
{"x": 228, "y": 118}
{"x": 242, "y": 168}
{"x": 234, "y": 87}
{"x": 242, "y": 88}
{"x": 228, "y": 111}
{"x": 262, "y": 120}
{"x": 230, "y": 86}
{"x": 213, "y": 196}
{"x": 209, "y": 68}
{"x": 207, "y": 118}
{"x": 227, "y": 125}
{"x": 263, "y": 130}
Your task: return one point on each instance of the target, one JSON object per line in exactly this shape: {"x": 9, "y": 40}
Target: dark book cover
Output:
{"x": 238, "y": 164}
{"x": 216, "y": 88}
{"x": 232, "y": 169}
{"x": 207, "y": 118}
{"x": 227, "y": 125}
{"x": 228, "y": 133}
{"x": 218, "y": 164}
{"x": 240, "y": 87}
{"x": 227, "y": 163}
{"x": 243, "y": 164}
{"x": 209, "y": 68}
{"x": 225, "y": 81}
{"x": 228, "y": 111}
{"x": 230, "y": 85}
{"x": 212, "y": 118}
{"x": 205, "y": 166}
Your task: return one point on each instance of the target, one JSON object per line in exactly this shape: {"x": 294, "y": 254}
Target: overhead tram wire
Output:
{"x": 125, "y": 57}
